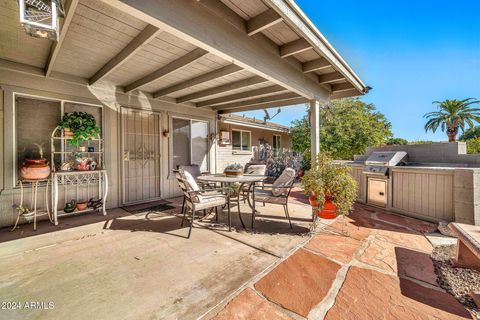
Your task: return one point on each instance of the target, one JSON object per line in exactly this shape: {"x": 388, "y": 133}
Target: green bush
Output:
{"x": 82, "y": 124}
{"x": 473, "y": 146}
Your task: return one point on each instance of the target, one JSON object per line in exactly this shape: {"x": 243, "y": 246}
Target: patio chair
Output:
{"x": 200, "y": 199}
{"x": 194, "y": 170}
{"x": 256, "y": 169}
{"x": 277, "y": 193}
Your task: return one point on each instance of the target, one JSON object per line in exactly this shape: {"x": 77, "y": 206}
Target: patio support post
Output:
{"x": 315, "y": 127}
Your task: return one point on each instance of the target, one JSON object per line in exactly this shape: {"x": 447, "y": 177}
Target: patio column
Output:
{"x": 315, "y": 127}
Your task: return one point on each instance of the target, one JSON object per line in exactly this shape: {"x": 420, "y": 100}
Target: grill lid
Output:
{"x": 386, "y": 158}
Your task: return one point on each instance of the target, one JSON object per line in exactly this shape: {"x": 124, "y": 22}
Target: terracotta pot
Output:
{"x": 329, "y": 211}
{"x": 313, "y": 200}
{"x": 35, "y": 169}
{"x": 82, "y": 205}
{"x": 67, "y": 133}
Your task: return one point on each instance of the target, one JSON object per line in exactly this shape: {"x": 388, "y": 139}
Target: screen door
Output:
{"x": 141, "y": 136}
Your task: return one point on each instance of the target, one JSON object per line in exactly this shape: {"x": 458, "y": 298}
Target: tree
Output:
{"x": 452, "y": 115}
{"x": 347, "y": 127}
{"x": 471, "y": 133}
{"x": 397, "y": 141}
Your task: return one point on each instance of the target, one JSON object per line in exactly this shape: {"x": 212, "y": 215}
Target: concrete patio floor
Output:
{"x": 141, "y": 266}
{"x": 126, "y": 266}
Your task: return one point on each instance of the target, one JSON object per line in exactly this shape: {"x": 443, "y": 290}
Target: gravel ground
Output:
{"x": 459, "y": 282}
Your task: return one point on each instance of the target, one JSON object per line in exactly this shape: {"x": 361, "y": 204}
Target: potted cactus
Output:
{"x": 331, "y": 187}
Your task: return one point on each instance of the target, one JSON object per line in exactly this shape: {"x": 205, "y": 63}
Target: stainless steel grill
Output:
{"x": 379, "y": 162}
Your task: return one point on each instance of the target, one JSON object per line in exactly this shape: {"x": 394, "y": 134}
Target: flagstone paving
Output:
{"x": 371, "y": 265}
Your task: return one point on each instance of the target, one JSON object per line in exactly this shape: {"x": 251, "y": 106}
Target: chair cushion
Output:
{"x": 285, "y": 180}
{"x": 194, "y": 170}
{"x": 268, "y": 197}
{"x": 258, "y": 169}
{"x": 210, "y": 201}
{"x": 190, "y": 180}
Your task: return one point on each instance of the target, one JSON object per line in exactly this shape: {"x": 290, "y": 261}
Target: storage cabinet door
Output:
{"x": 377, "y": 192}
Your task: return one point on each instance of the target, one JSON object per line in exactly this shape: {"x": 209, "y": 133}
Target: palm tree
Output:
{"x": 452, "y": 115}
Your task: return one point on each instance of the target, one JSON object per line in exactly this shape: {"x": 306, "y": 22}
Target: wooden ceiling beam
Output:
{"x": 144, "y": 37}
{"x": 212, "y": 75}
{"x": 266, "y": 105}
{"x": 180, "y": 63}
{"x": 340, "y": 87}
{"x": 314, "y": 65}
{"x": 330, "y": 77}
{"x": 241, "y": 96}
{"x": 352, "y": 92}
{"x": 238, "y": 104}
{"x": 70, "y": 7}
{"x": 294, "y": 47}
{"x": 201, "y": 25}
{"x": 221, "y": 89}
{"x": 263, "y": 21}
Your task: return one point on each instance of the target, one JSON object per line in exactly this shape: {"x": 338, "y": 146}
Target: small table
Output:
{"x": 246, "y": 179}
{"x": 33, "y": 209}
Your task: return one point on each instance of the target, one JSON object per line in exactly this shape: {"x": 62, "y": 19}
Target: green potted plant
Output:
{"x": 331, "y": 187}
{"x": 235, "y": 169}
{"x": 82, "y": 125}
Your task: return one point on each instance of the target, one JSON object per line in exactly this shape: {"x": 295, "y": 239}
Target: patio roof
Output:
{"x": 230, "y": 55}
{"x": 252, "y": 122}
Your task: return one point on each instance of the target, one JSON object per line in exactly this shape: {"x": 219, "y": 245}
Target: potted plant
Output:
{"x": 331, "y": 187}
{"x": 235, "y": 169}
{"x": 82, "y": 126}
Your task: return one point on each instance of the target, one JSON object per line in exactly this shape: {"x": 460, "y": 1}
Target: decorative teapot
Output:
{"x": 70, "y": 206}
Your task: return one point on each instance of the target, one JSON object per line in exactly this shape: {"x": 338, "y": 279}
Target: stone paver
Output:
{"x": 368, "y": 294}
{"x": 248, "y": 305}
{"x": 381, "y": 255}
{"x": 356, "y": 229}
{"x": 416, "y": 265}
{"x": 300, "y": 282}
{"x": 337, "y": 247}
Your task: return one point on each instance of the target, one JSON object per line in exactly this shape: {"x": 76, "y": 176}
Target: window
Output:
{"x": 190, "y": 143}
{"x": 35, "y": 120}
{"x": 277, "y": 145}
{"x": 241, "y": 140}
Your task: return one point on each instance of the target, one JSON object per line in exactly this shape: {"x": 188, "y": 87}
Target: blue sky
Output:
{"x": 410, "y": 52}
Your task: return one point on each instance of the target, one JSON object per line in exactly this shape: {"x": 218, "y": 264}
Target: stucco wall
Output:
{"x": 226, "y": 155}
{"x": 112, "y": 102}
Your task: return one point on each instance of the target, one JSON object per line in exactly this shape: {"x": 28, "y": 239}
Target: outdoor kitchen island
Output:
{"x": 435, "y": 182}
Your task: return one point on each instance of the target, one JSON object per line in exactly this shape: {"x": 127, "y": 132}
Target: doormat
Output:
{"x": 156, "y": 206}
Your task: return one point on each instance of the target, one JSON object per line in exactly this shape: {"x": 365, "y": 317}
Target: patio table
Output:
{"x": 246, "y": 179}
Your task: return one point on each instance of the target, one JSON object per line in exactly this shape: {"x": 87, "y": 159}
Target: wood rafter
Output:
{"x": 263, "y": 21}
{"x": 224, "y": 38}
{"x": 294, "y": 47}
{"x": 212, "y": 75}
{"x": 234, "y": 105}
{"x": 345, "y": 94}
{"x": 144, "y": 37}
{"x": 330, "y": 77}
{"x": 266, "y": 105}
{"x": 317, "y": 64}
{"x": 180, "y": 63}
{"x": 221, "y": 89}
{"x": 241, "y": 96}
{"x": 340, "y": 87}
{"x": 70, "y": 7}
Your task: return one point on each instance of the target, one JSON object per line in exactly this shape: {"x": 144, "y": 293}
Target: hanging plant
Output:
{"x": 82, "y": 124}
